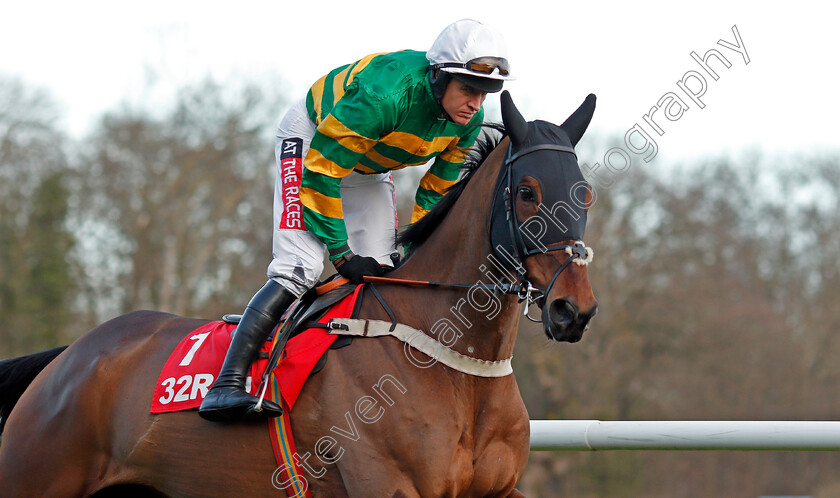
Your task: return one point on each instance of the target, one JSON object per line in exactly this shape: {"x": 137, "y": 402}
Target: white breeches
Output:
{"x": 368, "y": 203}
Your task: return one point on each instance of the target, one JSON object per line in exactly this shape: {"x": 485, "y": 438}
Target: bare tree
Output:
{"x": 181, "y": 205}
{"x": 35, "y": 274}
{"x": 718, "y": 301}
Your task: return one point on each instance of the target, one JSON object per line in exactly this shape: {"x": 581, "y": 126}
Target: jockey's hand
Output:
{"x": 356, "y": 267}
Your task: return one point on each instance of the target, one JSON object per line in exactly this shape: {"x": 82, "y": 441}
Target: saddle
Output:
{"x": 196, "y": 360}
{"x": 305, "y": 315}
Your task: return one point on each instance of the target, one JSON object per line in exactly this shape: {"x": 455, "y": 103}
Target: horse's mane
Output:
{"x": 419, "y": 232}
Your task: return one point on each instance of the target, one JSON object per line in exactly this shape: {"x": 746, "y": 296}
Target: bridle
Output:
{"x": 578, "y": 252}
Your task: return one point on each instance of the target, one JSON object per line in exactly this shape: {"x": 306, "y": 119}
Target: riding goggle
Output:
{"x": 483, "y": 65}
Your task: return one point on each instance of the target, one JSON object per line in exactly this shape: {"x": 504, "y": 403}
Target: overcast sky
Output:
{"x": 93, "y": 54}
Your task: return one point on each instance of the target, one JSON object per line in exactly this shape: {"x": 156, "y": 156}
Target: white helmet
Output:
{"x": 473, "y": 53}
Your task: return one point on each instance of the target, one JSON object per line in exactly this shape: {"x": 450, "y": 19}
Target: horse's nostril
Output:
{"x": 563, "y": 312}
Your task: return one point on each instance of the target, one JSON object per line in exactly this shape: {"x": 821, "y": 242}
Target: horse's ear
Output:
{"x": 575, "y": 126}
{"x": 515, "y": 124}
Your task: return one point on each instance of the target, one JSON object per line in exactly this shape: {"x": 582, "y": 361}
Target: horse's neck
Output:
{"x": 459, "y": 251}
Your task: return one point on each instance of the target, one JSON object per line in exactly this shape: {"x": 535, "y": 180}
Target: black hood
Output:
{"x": 544, "y": 152}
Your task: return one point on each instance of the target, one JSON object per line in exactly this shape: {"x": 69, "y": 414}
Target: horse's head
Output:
{"x": 539, "y": 217}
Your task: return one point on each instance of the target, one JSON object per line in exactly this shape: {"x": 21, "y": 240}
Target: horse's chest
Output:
{"x": 492, "y": 463}
{"x": 494, "y": 474}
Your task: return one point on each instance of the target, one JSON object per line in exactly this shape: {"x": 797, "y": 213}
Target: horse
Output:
{"x": 380, "y": 419}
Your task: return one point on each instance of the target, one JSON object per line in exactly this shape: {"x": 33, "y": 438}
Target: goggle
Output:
{"x": 484, "y": 65}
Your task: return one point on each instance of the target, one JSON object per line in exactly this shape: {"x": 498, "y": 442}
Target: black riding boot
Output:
{"x": 227, "y": 399}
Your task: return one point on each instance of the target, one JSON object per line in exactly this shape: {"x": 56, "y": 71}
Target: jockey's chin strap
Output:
{"x": 578, "y": 252}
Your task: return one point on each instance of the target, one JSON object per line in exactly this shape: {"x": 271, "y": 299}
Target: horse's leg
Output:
{"x": 515, "y": 494}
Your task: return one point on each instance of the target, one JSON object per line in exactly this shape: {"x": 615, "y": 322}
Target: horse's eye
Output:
{"x": 527, "y": 194}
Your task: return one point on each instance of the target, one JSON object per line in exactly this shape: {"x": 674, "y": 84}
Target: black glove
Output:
{"x": 357, "y": 267}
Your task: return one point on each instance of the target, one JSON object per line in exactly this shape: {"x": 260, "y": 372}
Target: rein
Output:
{"x": 496, "y": 288}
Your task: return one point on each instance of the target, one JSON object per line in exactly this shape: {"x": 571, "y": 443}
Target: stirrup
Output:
{"x": 229, "y": 404}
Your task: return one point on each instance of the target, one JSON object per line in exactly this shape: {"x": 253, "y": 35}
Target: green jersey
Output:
{"x": 376, "y": 115}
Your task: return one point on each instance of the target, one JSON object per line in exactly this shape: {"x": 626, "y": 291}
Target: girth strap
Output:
{"x": 423, "y": 343}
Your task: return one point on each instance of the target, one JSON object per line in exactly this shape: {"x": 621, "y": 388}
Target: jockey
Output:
{"x": 335, "y": 150}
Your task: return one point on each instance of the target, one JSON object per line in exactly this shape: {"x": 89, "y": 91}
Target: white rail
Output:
{"x": 590, "y": 435}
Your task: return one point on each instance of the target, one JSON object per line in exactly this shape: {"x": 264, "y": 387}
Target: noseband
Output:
{"x": 578, "y": 252}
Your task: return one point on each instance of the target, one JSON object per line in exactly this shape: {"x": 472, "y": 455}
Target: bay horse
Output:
{"x": 375, "y": 421}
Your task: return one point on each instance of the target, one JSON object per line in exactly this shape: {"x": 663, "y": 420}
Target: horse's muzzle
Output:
{"x": 564, "y": 322}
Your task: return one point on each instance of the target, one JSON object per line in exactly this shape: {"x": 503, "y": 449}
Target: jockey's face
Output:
{"x": 462, "y": 101}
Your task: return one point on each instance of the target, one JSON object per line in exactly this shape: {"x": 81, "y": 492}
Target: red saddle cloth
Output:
{"x": 196, "y": 361}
